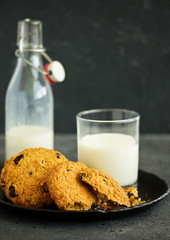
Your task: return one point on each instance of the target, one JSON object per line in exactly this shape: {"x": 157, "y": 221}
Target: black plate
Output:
{"x": 150, "y": 187}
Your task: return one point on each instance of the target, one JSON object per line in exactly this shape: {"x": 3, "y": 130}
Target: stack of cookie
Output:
{"x": 39, "y": 177}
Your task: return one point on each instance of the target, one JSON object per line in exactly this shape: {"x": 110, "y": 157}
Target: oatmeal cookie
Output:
{"x": 66, "y": 189}
{"x": 23, "y": 177}
{"x": 108, "y": 191}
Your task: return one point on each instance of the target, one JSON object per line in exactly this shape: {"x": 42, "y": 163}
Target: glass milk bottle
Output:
{"x": 29, "y": 99}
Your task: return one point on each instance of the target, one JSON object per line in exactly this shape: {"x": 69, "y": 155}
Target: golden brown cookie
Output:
{"x": 66, "y": 189}
{"x": 23, "y": 177}
{"x": 108, "y": 191}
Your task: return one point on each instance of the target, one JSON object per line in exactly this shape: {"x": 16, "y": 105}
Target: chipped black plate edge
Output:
{"x": 117, "y": 210}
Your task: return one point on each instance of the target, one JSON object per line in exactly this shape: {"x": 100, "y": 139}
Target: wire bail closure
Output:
{"x": 53, "y": 71}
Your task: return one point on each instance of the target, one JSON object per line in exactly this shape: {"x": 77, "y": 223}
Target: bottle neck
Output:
{"x": 29, "y": 37}
{"x": 29, "y": 34}
{"x": 34, "y": 58}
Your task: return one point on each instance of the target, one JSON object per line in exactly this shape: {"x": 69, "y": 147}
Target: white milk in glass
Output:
{"x": 113, "y": 153}
{"x": 26, "y": 136}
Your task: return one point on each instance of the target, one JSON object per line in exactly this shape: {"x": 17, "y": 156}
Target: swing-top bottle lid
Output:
{"x": 29, "y": 34}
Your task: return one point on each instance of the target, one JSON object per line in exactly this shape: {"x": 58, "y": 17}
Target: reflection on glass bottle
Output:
{"x": 29, "y": 99}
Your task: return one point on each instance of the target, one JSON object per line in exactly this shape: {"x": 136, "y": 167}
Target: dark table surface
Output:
{"x": 152, "y": 222}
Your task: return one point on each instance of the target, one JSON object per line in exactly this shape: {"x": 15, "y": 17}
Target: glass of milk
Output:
{"x": 108, "y": 140}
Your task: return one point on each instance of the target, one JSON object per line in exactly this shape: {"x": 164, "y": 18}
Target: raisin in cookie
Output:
{"x": 66, "y": 189}
{"x": 108, "y": 191}
{"x": 23, "y": 177}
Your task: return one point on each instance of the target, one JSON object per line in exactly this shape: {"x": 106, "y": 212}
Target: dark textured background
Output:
{"x": 116, "y": 54}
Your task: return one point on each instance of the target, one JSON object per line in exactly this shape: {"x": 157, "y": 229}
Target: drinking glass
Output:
{"x": 108, "y": 140}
